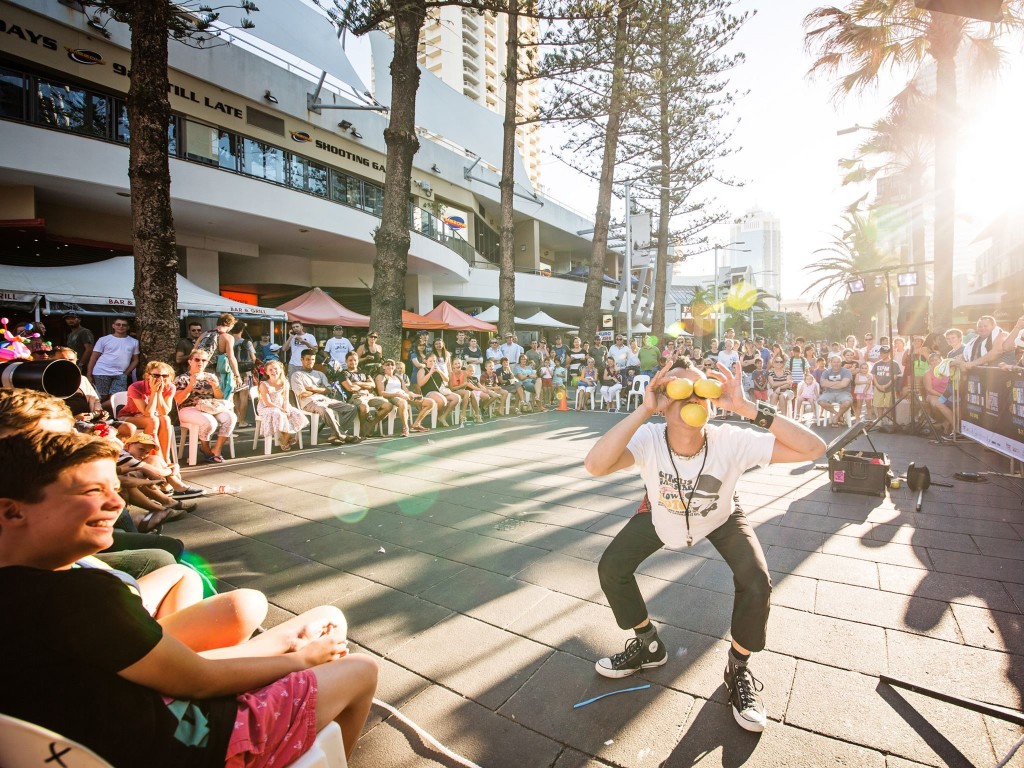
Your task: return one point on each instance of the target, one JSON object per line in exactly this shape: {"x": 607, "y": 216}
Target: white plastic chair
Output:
{"x": 118, "y": 400}
{"x": 580, "y": 391}
{"x": 24, "y": 745}
{"x": 618, "y": 400}
{"x": 328, "y": 751}
{"x": 190, "y": 432}
{"x": 312, "y": 420}
{"x": 640, "y": 384}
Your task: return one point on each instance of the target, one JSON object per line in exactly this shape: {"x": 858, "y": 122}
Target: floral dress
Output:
{"x": 273, "y": 421}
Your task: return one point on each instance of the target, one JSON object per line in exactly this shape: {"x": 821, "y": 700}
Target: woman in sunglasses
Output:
{"x": 201, "y": 402}
{"x": 371, "y": 355}
{"x": 149, "y": 406}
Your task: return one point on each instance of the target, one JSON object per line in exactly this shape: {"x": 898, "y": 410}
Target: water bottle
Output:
{"x": 230, "y": 489}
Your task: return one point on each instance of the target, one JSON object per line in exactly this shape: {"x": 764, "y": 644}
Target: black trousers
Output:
{"x": 735, "y": 542}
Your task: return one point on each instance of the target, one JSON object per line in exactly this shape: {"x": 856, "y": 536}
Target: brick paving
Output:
{"x": 466, "y": 561}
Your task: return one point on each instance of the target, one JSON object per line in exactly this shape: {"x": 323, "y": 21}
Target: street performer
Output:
{"x": 690, "y": 470}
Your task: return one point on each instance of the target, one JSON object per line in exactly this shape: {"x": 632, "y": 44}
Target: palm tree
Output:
{"x": 858, "y": 42}
{"x": 853, "y": 253}
{"x": 899, "y": 148}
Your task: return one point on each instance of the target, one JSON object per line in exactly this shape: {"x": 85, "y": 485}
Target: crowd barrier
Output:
{"x": 992, "y": 409}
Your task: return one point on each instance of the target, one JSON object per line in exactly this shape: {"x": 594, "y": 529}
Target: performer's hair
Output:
{"x": 683, "y": 362}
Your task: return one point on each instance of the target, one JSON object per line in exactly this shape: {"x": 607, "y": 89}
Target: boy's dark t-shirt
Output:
{"x": 760, "y": 379}
{"x": 76, "y": 629}
{"x": 885, "y": 372}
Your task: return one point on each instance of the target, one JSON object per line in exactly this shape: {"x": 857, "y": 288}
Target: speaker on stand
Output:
{"x": 913, "y": 319}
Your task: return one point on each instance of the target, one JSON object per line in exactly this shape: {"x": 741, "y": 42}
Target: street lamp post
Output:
{"x": 627, "y": 270}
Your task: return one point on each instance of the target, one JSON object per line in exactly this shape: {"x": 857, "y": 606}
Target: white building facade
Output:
{"x": 756, "y": 243}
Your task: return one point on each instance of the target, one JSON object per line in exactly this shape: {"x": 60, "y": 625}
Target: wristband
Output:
{"x": 765, "y": 414}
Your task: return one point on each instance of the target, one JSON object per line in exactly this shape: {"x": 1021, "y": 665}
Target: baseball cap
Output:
{"x": 885, "y": 349}
{"x": 275, "y": 347}
{"x": 71, "y": 314}
{"x": 143, "y": 439}
{"x": 339, "y": 327}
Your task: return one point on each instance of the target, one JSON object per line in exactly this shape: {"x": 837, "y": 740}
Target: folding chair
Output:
{"x": 640, "y": 384}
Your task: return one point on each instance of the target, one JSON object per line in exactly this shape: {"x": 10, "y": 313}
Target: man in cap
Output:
{"x": 338, "y": 346}
{"x": 510, "y": 349}
{"x": 600, "y": 354}
{"x": 619, "y": 352}
{"x": 79, "y": 339}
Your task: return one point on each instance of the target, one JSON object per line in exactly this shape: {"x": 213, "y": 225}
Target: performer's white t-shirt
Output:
{"x": 730, "y": 452}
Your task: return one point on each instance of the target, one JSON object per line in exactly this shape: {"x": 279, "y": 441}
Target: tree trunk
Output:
{"x": 391, "y": 262}
{"x": 595, "y": 282}
{"x": 149, "y": 111}
{"x": 945, "y": 43}
{"x": 662, "y": 273}
{"x": 507, "y": 268}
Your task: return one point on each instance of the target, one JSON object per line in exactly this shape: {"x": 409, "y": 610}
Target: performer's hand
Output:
{"x": 655, "y": 399}
{"x": 732, "y": 398}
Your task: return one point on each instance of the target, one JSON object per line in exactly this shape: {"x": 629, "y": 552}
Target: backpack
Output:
{"x": 244, "y": 357}
{"x": 208, "y": 343}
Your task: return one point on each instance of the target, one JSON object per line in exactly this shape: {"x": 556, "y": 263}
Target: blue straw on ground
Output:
{"x": 610, "y": 693}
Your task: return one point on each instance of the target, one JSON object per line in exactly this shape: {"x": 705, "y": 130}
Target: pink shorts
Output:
{"x": 276, "y": 724}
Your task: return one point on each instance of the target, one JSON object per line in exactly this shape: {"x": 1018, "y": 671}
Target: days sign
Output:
{"x": 606, "y": 336}
{"x": 992, "y": 409}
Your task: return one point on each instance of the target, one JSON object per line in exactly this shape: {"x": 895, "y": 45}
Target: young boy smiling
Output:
{"x": 88, "y": 661}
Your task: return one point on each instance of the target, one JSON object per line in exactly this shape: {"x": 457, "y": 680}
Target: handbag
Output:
{"x": 213, "y": 406}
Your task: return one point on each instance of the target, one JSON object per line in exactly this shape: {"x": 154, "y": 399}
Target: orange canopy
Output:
{"x": 458, "y": 320}
{"x": 412, "y": 320}
{"x": 317, "y": 308}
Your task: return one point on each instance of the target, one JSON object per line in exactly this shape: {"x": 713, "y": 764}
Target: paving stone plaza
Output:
{"x": 466, "y": 560}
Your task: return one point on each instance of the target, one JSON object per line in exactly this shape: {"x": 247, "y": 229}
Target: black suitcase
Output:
{"x": 850, "y": 471}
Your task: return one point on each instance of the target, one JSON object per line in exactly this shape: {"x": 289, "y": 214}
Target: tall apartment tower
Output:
{"x": 759, "y": 233}
{"x": 466, "y": 49}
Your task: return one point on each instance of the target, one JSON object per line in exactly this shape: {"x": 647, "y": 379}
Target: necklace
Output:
{"x": 674, "y": 452}
{"x": 679, "y": 482}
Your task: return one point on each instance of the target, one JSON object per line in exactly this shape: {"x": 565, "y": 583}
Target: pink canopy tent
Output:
{"x": 317, "y": 308}
{"x": 458, "y": 320}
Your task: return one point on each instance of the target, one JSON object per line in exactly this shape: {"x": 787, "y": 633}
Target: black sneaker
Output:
{"x": 746, "y": 704}
{"x": 189, "y": 493}
{"x": 636, "y": 656}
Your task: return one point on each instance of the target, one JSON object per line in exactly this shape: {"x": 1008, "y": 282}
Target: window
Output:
{"x": 73, "y": 109}
{"x": 123, "y": 134}
{"x": 201, "y": 142}
{"x": 263, "y": 161}
{"x": 346, "y": 190}
{"x": 13, "y": 87}
{"x": 373, "y": 199}
{"x": 308, "y": 176}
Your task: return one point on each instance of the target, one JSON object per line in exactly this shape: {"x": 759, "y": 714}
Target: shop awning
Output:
{"x": 107, "y": 287}
{"x": 458, "y": 320}
{"x": 412, "y": 320}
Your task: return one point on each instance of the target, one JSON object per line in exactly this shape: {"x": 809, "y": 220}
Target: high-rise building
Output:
{"x": 756, "y": 242}
{"x": 465, "y": 48}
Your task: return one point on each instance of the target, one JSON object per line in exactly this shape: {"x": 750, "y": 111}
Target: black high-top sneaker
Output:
{"x": 640, "y": 653}
{"x": 743, "y": 695}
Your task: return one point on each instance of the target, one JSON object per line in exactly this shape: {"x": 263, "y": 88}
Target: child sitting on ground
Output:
{"x": 90, "y": 662}
{"x": 142, "y": 484}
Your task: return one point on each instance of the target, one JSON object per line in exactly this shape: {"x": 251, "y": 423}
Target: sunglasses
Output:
{"x": 375, "y": 336}
{"x": 158, "y": 375}
{"x": 199, "y": 359}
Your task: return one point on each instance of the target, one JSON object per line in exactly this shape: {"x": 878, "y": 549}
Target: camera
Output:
{"x": 60, "y": 378}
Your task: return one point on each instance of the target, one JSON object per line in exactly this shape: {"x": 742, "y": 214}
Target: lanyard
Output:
{"x": 679, "y": 483}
